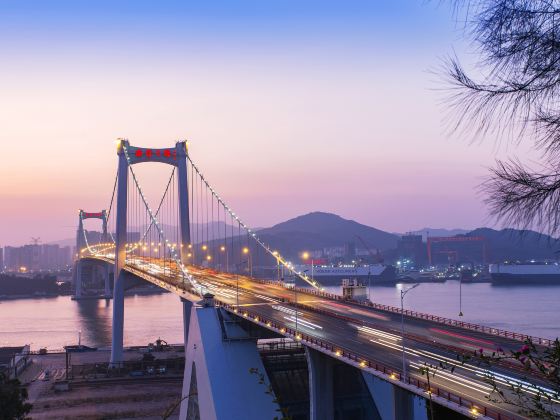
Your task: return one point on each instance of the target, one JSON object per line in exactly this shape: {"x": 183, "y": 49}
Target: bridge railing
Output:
{"x": 427, "y": 317}
{"x": 365, "y": 362}
{"x": 412, "y": 337}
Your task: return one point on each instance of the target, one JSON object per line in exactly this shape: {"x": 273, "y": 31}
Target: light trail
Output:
{"x": 303, "y": 322}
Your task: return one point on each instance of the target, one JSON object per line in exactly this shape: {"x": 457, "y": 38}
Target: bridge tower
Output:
{"x": 81, "y": 236}
{"x": 130, "y": 155}
{"x": 81, "y": 246}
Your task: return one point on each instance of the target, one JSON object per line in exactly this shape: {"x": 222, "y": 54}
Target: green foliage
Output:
{"x": 12, "y": 399}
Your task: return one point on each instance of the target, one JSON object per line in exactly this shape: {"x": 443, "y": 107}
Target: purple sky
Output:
{"x": 289, "y": 108}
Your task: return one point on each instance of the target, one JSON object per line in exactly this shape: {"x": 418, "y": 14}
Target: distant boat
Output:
{"x": 420, "y": 276}
{"x": 533, "y": 272}
{"x": 329, "y": 274}
{"x": 79, "y": 348}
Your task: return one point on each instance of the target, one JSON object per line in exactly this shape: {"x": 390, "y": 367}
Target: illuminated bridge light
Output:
{"x": 139, "y": 153}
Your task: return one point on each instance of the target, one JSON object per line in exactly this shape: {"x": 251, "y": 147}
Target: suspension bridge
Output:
{"x": 231, "y": 284}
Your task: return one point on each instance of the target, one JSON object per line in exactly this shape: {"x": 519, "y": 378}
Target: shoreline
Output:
{"x": 54, "y": 295}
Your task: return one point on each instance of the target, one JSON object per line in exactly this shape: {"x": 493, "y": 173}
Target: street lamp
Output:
{"x": 305, "y": 256}
{"x": 403, "y": 294}
{"x": 461, "y": 296}
{"x": 275, "y": 253}
{"x": 296, "y": 304}
{"x": 369, "y": 284}
{"x": 246, "y": 252}
{"x": 237, "y": 280}
{"x": 223, "y": 249}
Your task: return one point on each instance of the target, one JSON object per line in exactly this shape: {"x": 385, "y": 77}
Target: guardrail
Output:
{"x": 420, "y": 315}
{"x": 365, "y": 362}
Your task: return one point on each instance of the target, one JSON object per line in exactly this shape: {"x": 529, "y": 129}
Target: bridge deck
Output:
{"x": 367, "y": 334}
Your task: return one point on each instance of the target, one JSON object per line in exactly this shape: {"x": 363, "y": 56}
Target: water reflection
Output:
{"x": 55, "y": 322}
{"x": 94, "y": 319}
{"x": 527, "y": 309}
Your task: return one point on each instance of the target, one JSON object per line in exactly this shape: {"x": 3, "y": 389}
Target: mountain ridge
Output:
{"x": 319, "y": 230}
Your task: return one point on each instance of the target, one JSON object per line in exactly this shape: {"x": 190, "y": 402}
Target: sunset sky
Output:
{"x": 289, "y": 106}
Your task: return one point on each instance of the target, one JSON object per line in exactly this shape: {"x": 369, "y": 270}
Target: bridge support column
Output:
{"x": 394, "y": 402}
{"x": 187, "y": 308}
{"x": 120, "y": 260}
{"x": 320, "y": 366}
{"x": 218, "y": 383}
{"x": 118, "y": 322}
{"x": 78, "y": 285}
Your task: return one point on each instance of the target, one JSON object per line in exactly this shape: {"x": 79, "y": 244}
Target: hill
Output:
{"x": 319, "y": 230}
{"x": 514, "y": 244}
{"x": 425, "y": 232}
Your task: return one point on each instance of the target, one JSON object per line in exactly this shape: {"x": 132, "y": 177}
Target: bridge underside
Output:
{"x": 93, "y": 278}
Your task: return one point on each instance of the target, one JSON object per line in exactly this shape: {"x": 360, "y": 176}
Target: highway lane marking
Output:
{"x": 373, "y": 331}
{"x": 526, "y": 386}
{"x": 458, "y": 378}
{"x": 267, "y": 298}
{"x": 300, "y": 319}
{"x": 303, "y": 322}
{"x": 284, "y": 309}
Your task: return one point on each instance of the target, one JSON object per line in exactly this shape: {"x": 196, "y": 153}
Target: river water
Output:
{"x": 55, "y": 322}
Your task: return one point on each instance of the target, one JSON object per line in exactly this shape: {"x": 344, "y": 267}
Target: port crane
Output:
{"x": 375, "y": 257}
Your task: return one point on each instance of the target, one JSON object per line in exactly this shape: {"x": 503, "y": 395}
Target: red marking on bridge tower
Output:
{"x": 92, "y": 215}
{"x": 150, "y": 153}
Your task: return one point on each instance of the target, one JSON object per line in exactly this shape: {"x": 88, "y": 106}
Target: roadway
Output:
{"x": 376, "y": 335}
{"x": 370, "y": 333}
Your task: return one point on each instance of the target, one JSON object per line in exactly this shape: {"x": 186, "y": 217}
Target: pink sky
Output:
{"x": 280, "y": 128}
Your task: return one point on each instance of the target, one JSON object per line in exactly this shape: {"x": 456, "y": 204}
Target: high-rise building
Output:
{"x": 37, "y": 257}
{"x": 411, "y": 247}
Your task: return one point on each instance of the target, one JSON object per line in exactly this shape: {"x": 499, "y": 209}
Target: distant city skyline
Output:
{"x": 289, "y": 108}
